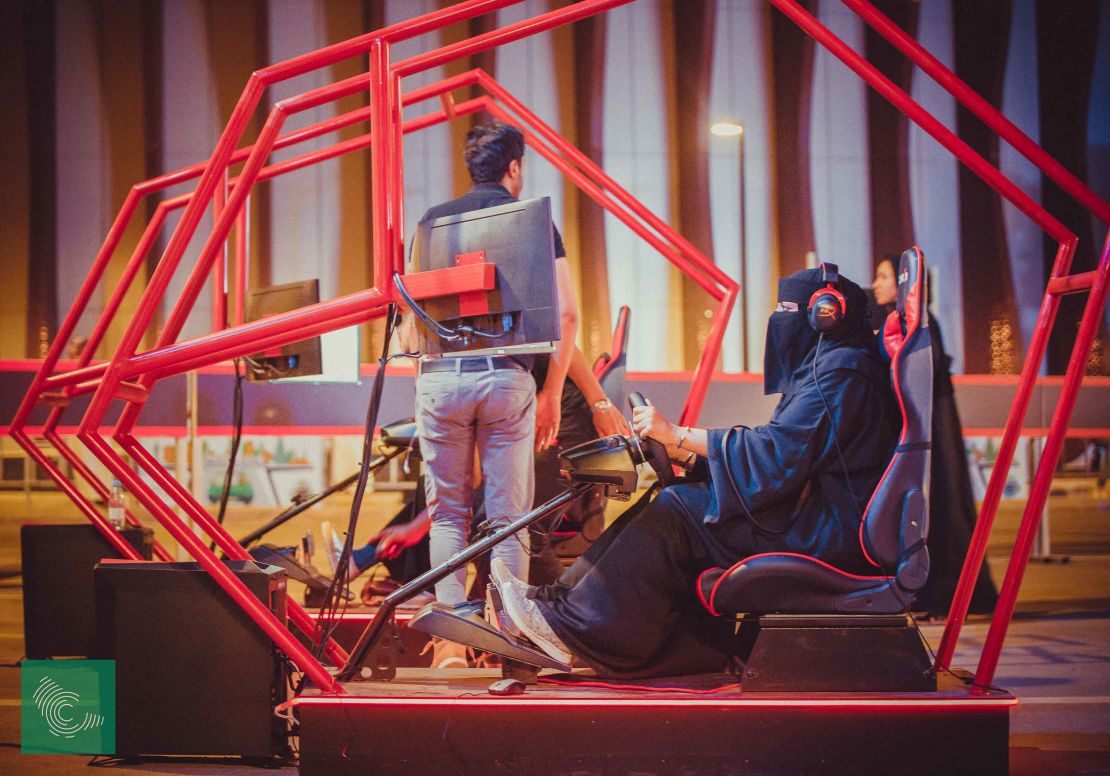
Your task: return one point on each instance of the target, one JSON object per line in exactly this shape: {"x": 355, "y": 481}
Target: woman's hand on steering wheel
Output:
{"x": 649, "y": 423}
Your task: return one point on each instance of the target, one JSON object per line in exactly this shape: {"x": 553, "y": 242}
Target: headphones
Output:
{"x": 827, "y": 307}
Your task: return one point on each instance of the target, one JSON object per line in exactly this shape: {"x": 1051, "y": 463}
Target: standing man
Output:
{"x": 489, "y": 403}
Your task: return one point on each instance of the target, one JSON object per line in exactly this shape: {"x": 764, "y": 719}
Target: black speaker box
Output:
{"x": 59, "y": 608}
{"x": 194, "y": 674}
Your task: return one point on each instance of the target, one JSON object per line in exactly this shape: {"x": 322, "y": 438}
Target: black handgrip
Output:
{"x": 654, "y": 452}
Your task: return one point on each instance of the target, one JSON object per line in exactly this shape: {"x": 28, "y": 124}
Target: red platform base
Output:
{"x": 444, "y": 721}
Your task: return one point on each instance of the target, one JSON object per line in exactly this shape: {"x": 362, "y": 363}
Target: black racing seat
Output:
{"x": 610, "y": 370}
{"x": 895, "y": 523}
{"x": 570, "y": 531}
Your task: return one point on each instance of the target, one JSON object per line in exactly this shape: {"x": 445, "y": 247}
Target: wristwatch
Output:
{"x": 603, "y": 405}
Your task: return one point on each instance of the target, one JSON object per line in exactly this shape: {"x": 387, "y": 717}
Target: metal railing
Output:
{"x": 130, "y": 374}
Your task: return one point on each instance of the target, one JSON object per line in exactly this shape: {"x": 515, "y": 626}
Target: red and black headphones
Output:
{"x": 827, "y": 307}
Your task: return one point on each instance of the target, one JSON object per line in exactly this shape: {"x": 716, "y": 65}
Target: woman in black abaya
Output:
{"x": 628, "y": 607}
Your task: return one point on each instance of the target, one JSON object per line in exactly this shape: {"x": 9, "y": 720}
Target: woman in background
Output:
{"x": 952, "y": 512}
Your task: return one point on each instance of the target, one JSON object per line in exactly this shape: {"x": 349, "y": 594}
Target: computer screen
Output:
{"x": 518, "y": 239}
{"x": 295, "y": 359}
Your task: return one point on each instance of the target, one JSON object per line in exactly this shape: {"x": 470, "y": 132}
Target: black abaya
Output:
{"x": 628, "y": 607}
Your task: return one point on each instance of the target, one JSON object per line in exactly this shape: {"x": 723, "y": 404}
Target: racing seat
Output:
{"x": 571, "y": 532}
{"x": 892, "y": 536}
{"x": 611, "y": 370}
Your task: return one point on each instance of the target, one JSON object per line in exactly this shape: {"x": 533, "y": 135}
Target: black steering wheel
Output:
{"x": 652, "y": 450}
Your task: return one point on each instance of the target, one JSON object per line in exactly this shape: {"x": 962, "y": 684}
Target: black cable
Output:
{"x": 832, "y": 423}
{"x": 338, "y": 588}
{"x": 461, "y": 331}
{"x": 236, "y": 437}
{"x": 266, "y": 370}
{"x": 740, "y": 497}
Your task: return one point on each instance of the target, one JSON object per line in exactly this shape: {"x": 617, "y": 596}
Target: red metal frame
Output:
{"x": 130, "y": 374}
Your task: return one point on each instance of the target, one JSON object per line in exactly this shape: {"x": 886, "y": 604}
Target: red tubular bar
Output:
{"x": 1072, "y": 284}
{"x": 988, "y": 510}
{"x": 65, "y": 331}
{"x": 582, "y": 180}
{"x": 379, "y": 199}
{"x": 396, "y": 139}
{"x": 217, "y": 532}
{"x": 1042, "y": 480}
{"x": 410, "y": 28}
{"x": 210, "y": 563}
{"x": 87, "y": 474}
{"x": 698, "y": 262}
{"x": 242, "y": 261}
{"x": 70, "y": 489}
{"x": 986, "y": 112}
{"x": 500, "y": 37}
{"x": 219, "y": 269}
{"x": 903, "y": 102}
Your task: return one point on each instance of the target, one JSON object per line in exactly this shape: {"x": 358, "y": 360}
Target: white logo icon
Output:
{"x": 54, "y": 703}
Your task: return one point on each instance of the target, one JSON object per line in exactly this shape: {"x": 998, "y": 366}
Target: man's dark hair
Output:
{"x": 489, "y": 150}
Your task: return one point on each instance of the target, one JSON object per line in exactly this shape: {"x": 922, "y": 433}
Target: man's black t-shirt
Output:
{"x": 484, "y": 195}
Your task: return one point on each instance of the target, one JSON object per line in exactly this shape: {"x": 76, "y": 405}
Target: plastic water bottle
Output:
{"x": 115, "y": 506}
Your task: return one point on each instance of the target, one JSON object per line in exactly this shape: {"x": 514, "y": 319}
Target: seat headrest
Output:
{"x": 610, "y": 369}
{"x": 911, "y": 309}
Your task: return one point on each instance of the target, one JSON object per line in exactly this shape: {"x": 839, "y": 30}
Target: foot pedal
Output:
{"x": 495, "y": 613}
{"x": 465, "y": 625}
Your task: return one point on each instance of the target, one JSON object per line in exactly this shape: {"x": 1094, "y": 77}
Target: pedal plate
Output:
{"x": 464, "y": 625}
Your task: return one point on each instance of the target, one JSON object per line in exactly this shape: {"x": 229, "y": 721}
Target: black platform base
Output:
{"x": 833, "y": 653}
{"x": 444, "y": 721}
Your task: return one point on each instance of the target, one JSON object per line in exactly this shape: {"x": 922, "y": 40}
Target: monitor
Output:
{"x": 518, "y": 239}
{"x": 297, "y": 358}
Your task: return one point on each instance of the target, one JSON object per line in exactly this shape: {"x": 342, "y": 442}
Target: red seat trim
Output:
{"x": 713, "y": 593}
{"x": 701, "y": 595}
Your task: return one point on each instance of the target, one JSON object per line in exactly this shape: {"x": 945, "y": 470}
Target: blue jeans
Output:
{"x": 493, "y": 412}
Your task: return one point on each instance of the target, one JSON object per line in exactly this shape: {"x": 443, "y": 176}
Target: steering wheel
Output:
{"x": 652, "y": 450}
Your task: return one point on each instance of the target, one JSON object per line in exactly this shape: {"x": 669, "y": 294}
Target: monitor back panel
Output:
{"x": 518, "y": 239}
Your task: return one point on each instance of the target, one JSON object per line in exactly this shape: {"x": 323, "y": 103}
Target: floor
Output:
{"x": 1056, "y": 660}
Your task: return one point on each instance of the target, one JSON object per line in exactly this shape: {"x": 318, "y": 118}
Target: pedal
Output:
{"x": 496, "y": 616}
{"x": 465, "y": 625}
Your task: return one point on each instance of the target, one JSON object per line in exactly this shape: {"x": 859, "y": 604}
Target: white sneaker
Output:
{"x": 333, "y": 546}
{"x": 333, "y": 551}
{"x": 525, "y": 613}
